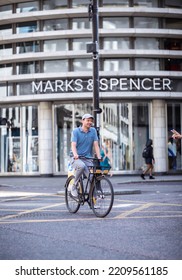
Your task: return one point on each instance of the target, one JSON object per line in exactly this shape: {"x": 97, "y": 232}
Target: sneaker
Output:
{"x": 98, "y": 201}
{"x": 142, "y": 176}
{"x": 151, "y": 177}
{"x": 74, "y": 191}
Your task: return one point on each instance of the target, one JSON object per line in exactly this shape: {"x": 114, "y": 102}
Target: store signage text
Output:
{"x": 106, "y": 84}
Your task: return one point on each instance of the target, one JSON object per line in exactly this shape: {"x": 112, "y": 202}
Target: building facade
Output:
{"x": 46, "y": 82}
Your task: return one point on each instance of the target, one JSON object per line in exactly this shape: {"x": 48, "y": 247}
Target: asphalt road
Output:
{"x": 35, "y": 225}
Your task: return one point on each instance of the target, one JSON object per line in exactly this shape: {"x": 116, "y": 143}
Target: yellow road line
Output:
{"x": 135, "y": 210}
{"x": 30, "y": 211}
{"x": 76, "y": 219}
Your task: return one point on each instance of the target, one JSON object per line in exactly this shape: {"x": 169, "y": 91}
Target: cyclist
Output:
{"x": 83, "y": 140}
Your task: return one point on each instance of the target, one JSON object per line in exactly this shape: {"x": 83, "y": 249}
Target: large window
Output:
{"x": 55, "y": 24}
{"x": 82, "y": 65}
{"x": 124, "y": 129}
{"x": 147, "y": 43}
{"x": 124, "y": 3}
{"x": 114, "y": 22}
{"x": 6, "y": 49}
{"x": 26, "y": 47}
{"x": 146, "y": 3}
{"x": 80, "y": 44}
{"x": 116, "y": 64}
{"x": 144, "y": 22}
{"x": 6, "y": 29}
{"x": 79, "y": 3}
{"x": 54, "y": 4}
{"x": 147, "y": 64}
{"x": 19, "y": 139}
{"x": 7, "y": 9}
{"x": 116, "y": 43}
{"x": 27, "y": 7}
{"x": 27, "y": 27}
{"x": 172, "y": 23}
{"x": 56, "y": 45}
{"x": 29, "y": 67}
{"x": 81, "y": 23}
{"x": 54, "y": 66}
{"x": 6, "y": 70}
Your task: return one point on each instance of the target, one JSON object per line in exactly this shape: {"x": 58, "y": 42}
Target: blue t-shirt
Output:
{"x": 84, "y": 140}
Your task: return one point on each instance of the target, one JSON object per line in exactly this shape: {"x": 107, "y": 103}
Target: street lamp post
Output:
{"x": 94, "y": 48}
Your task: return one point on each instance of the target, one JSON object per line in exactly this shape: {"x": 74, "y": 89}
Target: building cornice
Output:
{"x": 83, "y": 12}
{"x": 88, "y": 74}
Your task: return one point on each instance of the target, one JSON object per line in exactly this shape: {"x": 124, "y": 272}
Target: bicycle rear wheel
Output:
{"x": 72, "y": 204}
{"x": 102, "y": 197}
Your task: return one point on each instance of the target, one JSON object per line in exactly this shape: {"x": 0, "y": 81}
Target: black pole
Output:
{"x": 94, "y": 48}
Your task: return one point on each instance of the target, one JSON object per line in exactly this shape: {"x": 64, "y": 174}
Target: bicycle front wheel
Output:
{"x": 102, "y": 197}
{"x": 72, "y": 204}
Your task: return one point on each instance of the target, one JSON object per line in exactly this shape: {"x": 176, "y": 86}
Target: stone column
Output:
{"x": 159, "y": 135}
{"x": 45, "y": 139}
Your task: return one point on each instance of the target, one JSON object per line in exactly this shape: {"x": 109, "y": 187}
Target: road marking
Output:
{"x": 30, "y": 211}
{"x": 138, "y": 209}
{"x": 82, "y": 219}
{"x": 122, "y": 205}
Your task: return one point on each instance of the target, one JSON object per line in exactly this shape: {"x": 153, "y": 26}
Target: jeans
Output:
{"x": 81, "y": 167}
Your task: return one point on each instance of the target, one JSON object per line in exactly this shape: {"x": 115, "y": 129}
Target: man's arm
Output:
{"x": 74, "y": 150}
{"x": 97, "y": 149}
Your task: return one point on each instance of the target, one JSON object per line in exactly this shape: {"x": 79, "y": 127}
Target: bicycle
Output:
{"x": 97, "y": 192}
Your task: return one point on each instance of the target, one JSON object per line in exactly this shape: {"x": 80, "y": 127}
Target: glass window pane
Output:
{"x": 56, "y": 45}
{"x": 81, "y": 44}
{"x": 116, "y": 3}
{"x": 116, "y": 64}
{"x": 24, "y": 89}
{"x": 54, "y": 66}
{"x": 3, "y": 90}
{"x": 82, "y": 65}
{"x": 79, "y": 3}
{"x": 29, "y": 67}
{"x": 81, "y": 23}
{"x": 173, "y": 44}
{"x": 173, "y": 64}
{"x": 6, "y": 49}
{"x": 7, "y": 9}
{"x": 30, "y": 139}
{"x": 173, "y": 4}
{"x": 27, "y": 7}
{"x": 172, "y": 23}
{"x": 147, "y": 43}
{"x": 55, "y": 24}
{"x": 147, "y": 64}
{"x": 6, "y": 70}
{"x": 6, "y": 29}
{"x": 116, "y": 43}
{"x": 143, "y": 22}
{"x": 10, "y": 144}
{"x": 26, "y": 47}
{"x": 54, "y": 4}
{"x": 26, "y": 27}
{"x": 112, "y": 23}
{"x": 146, "y": 3}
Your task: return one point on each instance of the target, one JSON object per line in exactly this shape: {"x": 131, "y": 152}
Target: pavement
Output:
{"x": 123, "y": 184}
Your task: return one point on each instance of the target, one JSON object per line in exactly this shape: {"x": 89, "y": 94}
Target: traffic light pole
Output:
{"x": 94, "y": 48}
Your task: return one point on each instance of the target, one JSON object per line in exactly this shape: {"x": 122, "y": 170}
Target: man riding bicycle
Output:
{"x": 83, "y": 140}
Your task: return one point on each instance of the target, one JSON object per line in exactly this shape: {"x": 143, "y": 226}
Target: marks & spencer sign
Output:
{"x": 105, "y": 84}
